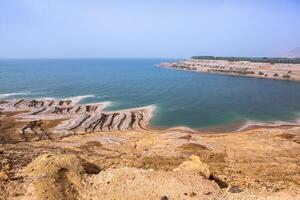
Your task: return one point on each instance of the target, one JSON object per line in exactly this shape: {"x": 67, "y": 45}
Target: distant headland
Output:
{"x": 280, "y": 68}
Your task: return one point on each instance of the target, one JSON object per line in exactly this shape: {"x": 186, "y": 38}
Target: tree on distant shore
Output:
{"x": 251, "y": 59}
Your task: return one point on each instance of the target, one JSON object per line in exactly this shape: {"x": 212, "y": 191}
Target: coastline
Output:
{"x": 277, "y": 71}
{"x": 226, "y": 74}
{"x": 28, "y": 114}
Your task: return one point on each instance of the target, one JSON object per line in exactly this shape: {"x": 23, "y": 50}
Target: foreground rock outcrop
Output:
{"x": 194, "y": 163}
{"x": 66, "y": 176}
{"x": 57, "y": 176}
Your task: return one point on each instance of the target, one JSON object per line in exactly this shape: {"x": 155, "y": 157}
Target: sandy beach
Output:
{"x": 58, "y": 155}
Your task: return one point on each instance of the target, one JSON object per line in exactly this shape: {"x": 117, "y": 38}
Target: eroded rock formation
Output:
{"x": 73, "y": 118}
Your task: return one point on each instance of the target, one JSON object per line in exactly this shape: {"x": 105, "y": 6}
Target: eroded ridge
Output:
{"x": 72, "y": 118}
{"x": 33, "y": 105}
{"x": 107, "y": 121}
{"x": 49, "y": 109}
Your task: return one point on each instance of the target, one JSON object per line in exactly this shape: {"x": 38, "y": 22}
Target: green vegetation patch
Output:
{"x": 251, "y": 59}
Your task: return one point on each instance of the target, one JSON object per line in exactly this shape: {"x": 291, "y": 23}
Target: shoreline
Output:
{"x": 148, "y": 111}
{"x": 233, "y": 75}
{"x": 217, "y": 130}
{"x": 273, "y": 71}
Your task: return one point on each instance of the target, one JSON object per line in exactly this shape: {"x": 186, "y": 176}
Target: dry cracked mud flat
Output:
{"x": 58, "y": 149}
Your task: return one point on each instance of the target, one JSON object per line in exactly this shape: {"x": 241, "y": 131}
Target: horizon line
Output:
{"x": 190, "y": 57}
{"x": 45, "y": 58}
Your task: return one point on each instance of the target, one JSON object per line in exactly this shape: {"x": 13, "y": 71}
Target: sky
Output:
{"x": 147, "y": 28}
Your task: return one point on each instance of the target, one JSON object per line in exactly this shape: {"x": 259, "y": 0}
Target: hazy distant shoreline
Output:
{"x": 270, "y": 68}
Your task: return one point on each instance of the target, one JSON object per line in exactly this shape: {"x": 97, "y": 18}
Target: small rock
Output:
{"x": 4, "y": 176}
{"x": 7, "y": 167}
{"x": 194, "y": 163}
{"x": 191, "y": 194}
{"x": 164, "y": 198}
{"x": 137, "y": 155}
{"x": 187, "y": 137}
{"x": 234, "y": 189}
{"x": 207, "y": 193}
{"x": 15, "y": 194}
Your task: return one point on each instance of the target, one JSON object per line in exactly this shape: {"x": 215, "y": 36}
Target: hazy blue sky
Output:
{"x": 152, "y": 28}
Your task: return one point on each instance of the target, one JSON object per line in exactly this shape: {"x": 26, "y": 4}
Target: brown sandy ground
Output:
{"x": 256, "y": 164}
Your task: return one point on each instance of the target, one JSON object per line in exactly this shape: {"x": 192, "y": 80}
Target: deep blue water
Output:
{"x": 181, "y": 98}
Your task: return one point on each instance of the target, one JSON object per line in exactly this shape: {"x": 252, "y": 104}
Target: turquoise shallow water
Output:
{"x": 197, "y": 100}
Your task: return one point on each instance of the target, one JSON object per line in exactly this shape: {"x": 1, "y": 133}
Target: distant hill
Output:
{"x": 294, "y": 53}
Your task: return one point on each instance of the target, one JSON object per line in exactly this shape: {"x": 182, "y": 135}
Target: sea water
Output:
{"x": 181, "y": 98}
